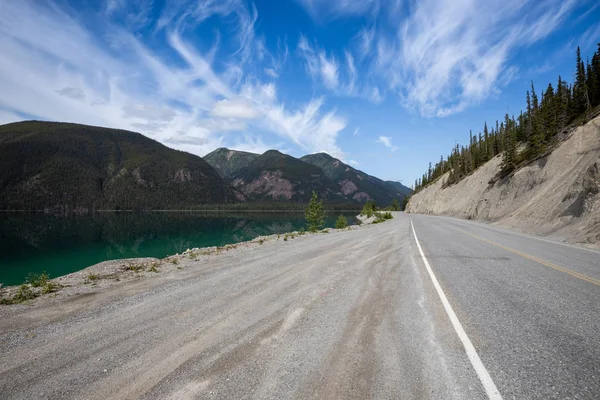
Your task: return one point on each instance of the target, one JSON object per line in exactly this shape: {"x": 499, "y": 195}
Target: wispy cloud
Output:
{"x": 387, "y": 142}
{"x": 442, "y": 56}
{"x": 339, "y": 76}
{"x": 56, "y": 68}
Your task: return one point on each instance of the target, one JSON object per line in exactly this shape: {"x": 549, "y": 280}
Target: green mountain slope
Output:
{"x": 70, "y": 167}
{"x": 355, "y": 184}
{"x": 400, "y": 188}
{"x": 227, "y": 162}
{"x": 277, "y": 176}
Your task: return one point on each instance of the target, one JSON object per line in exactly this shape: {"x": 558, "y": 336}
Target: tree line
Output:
{"x": 546, "y": 114}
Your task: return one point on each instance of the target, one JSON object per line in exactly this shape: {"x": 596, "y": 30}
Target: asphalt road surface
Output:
{"x": 344, "y": 315}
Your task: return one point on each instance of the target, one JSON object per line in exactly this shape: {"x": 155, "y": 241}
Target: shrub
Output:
{"x": 369, "y": 208}
{"x": 37, "y": 280}
{"x": 381, "y": 217}
{"x": 341, "y": 222}
{"x": 24, "y": 293}
{"x": 50, "y": 287}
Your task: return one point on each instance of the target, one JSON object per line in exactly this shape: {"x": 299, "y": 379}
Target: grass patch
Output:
{"x": 134, "y": 267}
{"x": 24, "y": 293}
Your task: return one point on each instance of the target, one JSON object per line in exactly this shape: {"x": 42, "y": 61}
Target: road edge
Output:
{"x": 482, "y": 373}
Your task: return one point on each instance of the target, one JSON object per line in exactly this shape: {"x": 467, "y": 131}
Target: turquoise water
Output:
{"x": 34, "y": 242}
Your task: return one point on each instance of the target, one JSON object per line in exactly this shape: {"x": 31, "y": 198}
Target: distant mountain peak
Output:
{"x": 227, "y": 162}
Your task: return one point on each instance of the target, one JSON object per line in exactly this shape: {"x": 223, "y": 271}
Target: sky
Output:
{"x": 385, "y": 85}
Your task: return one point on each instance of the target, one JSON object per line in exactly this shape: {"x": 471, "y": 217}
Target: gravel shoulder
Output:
{"x": 344, "y": 314}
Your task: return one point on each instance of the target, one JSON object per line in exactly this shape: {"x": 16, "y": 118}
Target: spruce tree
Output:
{"x": 509, "y": 159}
{"x": 315, "y": 214}
{"x": 579, "y": 88}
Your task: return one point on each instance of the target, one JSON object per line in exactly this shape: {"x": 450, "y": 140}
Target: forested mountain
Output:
{"x": 228, "y": 162}
{"x": 536, "y": 128}
{"x": 76, "y": 168}
{"x": 355, "y": 184}
{"x": 277, "y": 176}
{"x": 400, "y": 188}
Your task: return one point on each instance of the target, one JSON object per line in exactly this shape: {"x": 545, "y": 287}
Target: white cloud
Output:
{"x": 272, "y": 73}
{"x": 330, "y": 9}
{"x": 329, "y": 71}
{"x": 387, "y": 142}
{"x": 57, "y": 69}
{"x": 356, "y": 131}
{"x": 324, "y": 68}
{"x": 234, "y": 109}
{"x": 442, "y": 56}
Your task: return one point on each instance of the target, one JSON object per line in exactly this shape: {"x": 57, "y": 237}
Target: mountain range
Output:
{"x": 277, "y": 176}
{"x": 64, "y": 167}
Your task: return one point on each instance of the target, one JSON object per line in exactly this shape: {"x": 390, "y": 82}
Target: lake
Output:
{"x": 35, "y": 242}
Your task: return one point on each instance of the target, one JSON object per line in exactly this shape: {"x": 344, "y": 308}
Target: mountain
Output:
{"x": 277, "y": 176}
{"x": 355, "y": 184}
{"x": 70, "y": 167}
{"x": 227, "y": 162}
{"x": 400, "y": 188}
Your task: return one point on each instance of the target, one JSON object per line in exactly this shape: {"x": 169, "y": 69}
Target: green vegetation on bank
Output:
{"x": 35, "y": 286}
{"x": 536, "y": 128}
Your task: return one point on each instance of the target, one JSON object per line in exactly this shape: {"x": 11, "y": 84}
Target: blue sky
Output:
{"x": 385, "y": 85}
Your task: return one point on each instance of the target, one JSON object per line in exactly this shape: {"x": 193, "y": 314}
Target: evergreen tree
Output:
{"x": 315, "y": 214}
{"x": 591, "y": 87}
{"x": 579, "y": 88}
{"x": 341, "y": 222}
{"x": 509, "y": 159}
{"x": 395, "y": 206}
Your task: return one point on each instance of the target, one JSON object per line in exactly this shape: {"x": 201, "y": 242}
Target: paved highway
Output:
{"x": 468, "y": 311}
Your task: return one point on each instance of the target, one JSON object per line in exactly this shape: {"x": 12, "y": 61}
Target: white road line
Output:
{"x": 483, "y": 374}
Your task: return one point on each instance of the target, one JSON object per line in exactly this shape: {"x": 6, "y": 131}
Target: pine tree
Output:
{"x": 315, "y": 214}
{"x": 562, "y": 103}
{"x": 596, "y": 72}
{"x": 591, "y": 86}
{"x": 549, "y": 114}
{"x": 509, "y": 159}
{"x": 579, "y": 88}
{"x": 342, "y": 222}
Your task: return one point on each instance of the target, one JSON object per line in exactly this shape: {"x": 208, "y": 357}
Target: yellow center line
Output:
{"x": 538, "y": 260}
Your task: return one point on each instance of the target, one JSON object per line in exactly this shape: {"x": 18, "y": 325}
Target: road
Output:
{"x": 344, "y": 315}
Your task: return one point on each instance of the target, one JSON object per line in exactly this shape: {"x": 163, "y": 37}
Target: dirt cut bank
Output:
{"x": 557, "y": 195}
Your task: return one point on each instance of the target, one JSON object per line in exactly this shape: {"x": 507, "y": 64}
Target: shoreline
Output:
{"x": 168, "y": 211}
{"x": 114, "y": 273}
